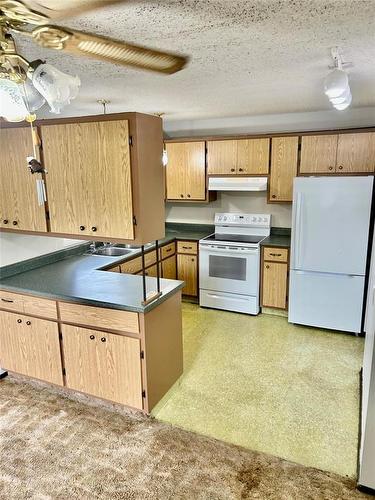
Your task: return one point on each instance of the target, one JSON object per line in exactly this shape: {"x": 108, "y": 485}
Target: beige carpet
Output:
{"x": 53, "y": 447}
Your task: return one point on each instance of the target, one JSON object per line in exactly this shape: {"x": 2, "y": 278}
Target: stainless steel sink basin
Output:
{"x": 112, "y": 251}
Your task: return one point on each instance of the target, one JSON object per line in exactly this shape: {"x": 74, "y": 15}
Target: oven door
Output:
{"x": 229, "y": 269}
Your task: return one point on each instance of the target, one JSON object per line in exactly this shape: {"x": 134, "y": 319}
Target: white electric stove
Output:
{"x": 229, "y": 262}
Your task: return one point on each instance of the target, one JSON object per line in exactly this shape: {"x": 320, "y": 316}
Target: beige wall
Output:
{"x": 230, "y": 202}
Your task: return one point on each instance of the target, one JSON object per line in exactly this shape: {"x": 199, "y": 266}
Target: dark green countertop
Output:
{"x": 280, "y": 237}
{"x": 81, "y": 277}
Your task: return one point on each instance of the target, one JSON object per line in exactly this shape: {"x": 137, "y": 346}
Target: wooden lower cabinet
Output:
{"x": 187, "y": 270}
{"x": 169, "y": 268}
{"x": 103, "y": 364}
{"x": 275, "y": 277}
{"x": 30, "y": 346}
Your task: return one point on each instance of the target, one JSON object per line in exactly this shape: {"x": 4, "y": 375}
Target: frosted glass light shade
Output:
{"x": 344, "y": 104}
{"x": 342, "y": 98}
{"x": 12, "y": 105}
{"x": 34, "y": 100}
{"x": 56, "y": 87}
{"x": 336, "y": 83}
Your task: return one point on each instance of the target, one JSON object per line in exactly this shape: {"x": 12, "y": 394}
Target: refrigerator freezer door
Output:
{"x": 325, "y": 300}
{"x": 331, "y": 224}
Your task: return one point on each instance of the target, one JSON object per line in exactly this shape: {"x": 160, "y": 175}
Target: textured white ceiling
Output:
{"x": 247, "y": 57}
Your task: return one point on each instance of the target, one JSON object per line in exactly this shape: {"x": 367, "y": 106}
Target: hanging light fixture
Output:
{"x": 336, "y": 83}
{"x": 25, "y": 86}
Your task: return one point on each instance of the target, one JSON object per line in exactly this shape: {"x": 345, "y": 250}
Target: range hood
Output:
{"x": 237, "y": 184}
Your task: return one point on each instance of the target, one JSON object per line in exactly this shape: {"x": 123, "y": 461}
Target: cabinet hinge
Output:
{"x": 130, "y": 140}
{"x": 134, "y": 220}
{"x": 64, "y": 371}
{"x": 142, "y": 354}
{"x": 143, "y": 394}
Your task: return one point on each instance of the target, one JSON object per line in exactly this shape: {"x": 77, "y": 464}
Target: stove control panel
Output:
{"x": 245, "y": 220}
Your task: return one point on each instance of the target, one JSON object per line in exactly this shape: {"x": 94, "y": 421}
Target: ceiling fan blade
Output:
{"x": 58, "y": 9}
{"x": 107, "y": 49}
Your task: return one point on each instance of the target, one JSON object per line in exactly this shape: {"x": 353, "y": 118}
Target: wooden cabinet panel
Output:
{"x": 253, "y": 156}
{"x": 100, "y": 317}
{"x": 356, "y": 153}
{"x": 131, "y": 266}
{"x": 283, "y": 168}
{"x": 274, "y": 284}
{"x": 186, "y": 171}
{"x": 30, "y": 346}
{"x": 222, "y": 157}
{"x": 275, "y": 254}
{"x": 151, "y": 271}
{"x": 167, "y": 250}
{"x": 28, "y": 304}
{"x": 190, "y": 247}
{"x": 103, "y": 364}
{"x": 89, "y": 178}
{"x": 19, "y": 207}
{"x": 169, "y": 268}
{"x": 187, "y": 270}
{"x": 318, "y": 154}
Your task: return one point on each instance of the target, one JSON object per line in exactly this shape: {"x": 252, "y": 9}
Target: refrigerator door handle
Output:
{"x": 299, "y": 230}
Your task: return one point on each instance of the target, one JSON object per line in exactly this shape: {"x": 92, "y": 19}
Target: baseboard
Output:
{"x": 3, "y": 374}
{"x": 366, "y": 489}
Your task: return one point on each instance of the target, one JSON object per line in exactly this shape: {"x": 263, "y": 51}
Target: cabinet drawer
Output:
{"x": 168, "y": 250}
{"x": 131, "y": 266}
{"x": 150, "y": 259}
{"x": 276, "y": 254}
{"x": 111, "y": 319}
{"x": 114, "y": 269}
{"x": 190, "y": 247}
{"x": 28, "y": 305}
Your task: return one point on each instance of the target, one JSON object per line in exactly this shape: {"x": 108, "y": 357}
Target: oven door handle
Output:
{"x": 228, "y": 251}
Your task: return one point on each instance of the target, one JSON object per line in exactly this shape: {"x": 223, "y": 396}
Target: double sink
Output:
{"x": 116, "y": 250}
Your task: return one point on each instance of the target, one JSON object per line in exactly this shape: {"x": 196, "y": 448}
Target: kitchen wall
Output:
{"x": 252, "y": 202}
{"x": 18, "y": 247}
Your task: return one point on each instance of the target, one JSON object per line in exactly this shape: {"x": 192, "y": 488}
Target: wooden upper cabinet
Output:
{"x": 186, "y": 171}
{"x": 238, "y": 156}
{"x": 283, "y": 168}
{"x": 222, "y": 157}
{"x": 89, "y": 178}
{"x": 253, "y": 156}
{"x": 356, "y": 153}
{"x": 318, "y": 154}
{"x": 19, "y": 204}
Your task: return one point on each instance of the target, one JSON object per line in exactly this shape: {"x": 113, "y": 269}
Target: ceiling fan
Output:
{"x": 31, "y": 18}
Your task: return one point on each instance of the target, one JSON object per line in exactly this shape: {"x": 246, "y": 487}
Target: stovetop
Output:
{"x": 250, "y": 239}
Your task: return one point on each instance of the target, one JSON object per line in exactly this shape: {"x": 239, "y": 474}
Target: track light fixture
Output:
{"x": 336, "y": 83}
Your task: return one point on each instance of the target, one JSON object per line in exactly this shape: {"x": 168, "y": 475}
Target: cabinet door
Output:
{"x": 89, "y": 178}
{"x": 103, "y": 364}
{"x": 30, "y": 346}
{"x": 187, "y": 271}
{"x": 186, "y": 171}
{"x": 19, "y": 206}
{"x": 283, "y": 168}
{"x": 169, "y": 268}
{"x": 275, "y": 279}
{"x": 222, "y": 157}
{"x": 318, "y": 154}
{"x": 253, "y": 156}
{"x": 356, "y": 153}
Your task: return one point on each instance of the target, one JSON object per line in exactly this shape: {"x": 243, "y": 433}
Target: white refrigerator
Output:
{"x": 330, "y": 231}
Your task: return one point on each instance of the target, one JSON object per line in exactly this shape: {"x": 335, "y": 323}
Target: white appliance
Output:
{"x": 237, "y": 183}
{"x": 367, "y": 449}
{"x": 331, "y": 219}
{"x": 229, "y": 262}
